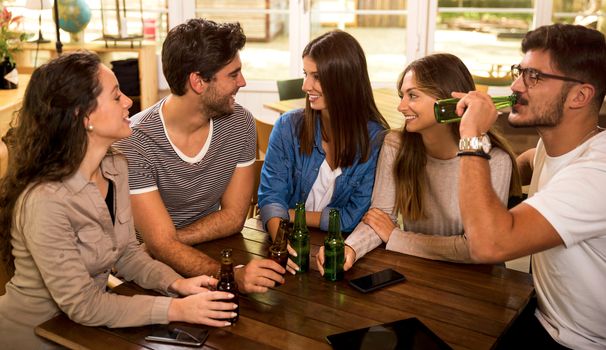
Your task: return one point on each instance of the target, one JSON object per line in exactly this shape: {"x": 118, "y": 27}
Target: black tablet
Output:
{"x": 403, "y": 334}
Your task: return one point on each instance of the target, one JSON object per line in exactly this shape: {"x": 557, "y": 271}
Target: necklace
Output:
{"x": 591, "y": 133}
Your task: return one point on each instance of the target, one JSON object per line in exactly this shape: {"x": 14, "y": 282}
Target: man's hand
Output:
{"x": 478, "y": 112}
{"x": 380, "y": 222}
{"x": 259, "y": 275}
{"x": 350, "y": 258}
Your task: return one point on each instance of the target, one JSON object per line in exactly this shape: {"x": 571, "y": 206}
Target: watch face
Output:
{"x": 475, "y": 143}
{"x": 486, "y": 145}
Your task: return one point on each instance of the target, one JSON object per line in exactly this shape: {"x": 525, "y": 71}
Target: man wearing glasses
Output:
{"x": 560, "y": 84}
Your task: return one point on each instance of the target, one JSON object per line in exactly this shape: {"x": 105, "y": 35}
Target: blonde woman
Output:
{"x": 417, "y": 172}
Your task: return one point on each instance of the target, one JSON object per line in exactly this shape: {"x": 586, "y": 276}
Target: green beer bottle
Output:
{"x": 299, "y": 239}
{"x": 334, "y": 248}
{"x": 444, "y": 110}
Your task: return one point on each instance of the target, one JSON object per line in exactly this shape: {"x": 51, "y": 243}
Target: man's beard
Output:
{"x": 550, "y": 116}
{"x": 215, "y": 106}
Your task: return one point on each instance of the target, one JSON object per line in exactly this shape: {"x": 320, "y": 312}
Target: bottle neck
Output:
{"x": 334, "y": 230}
{"x": 504, "y": 101}
{"x": 227, "y": 266}
{"x": 280, "y": 236}
{"x": 300, "y": 223}
{"x": 335, "y": 235}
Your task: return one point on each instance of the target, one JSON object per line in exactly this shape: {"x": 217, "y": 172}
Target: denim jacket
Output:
{"x": 288, "y": 175}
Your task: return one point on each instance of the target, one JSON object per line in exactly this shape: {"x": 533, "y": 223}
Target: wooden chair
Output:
{"x": 253, "y": 209}
{"x": 263, "y": 132}
{"x": 290, "y": 89}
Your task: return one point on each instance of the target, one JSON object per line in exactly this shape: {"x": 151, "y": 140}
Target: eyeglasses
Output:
{"x": 532, "y": 76}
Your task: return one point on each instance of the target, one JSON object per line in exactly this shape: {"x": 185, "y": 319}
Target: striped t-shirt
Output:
{"x": 191, "y": 187}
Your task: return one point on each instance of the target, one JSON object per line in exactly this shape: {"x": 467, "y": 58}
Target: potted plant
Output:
{"x": 10, "y": 39}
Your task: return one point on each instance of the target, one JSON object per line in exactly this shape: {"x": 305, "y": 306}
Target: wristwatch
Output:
{"x": 475, "y": 144}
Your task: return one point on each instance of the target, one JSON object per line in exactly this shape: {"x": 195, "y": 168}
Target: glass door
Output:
{"x": 266, "y": 23}
{"x": 485, "y": 34}
{"x": 379, "y": 26}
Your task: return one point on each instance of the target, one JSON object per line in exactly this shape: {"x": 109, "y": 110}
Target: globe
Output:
{"x": 74, "y": 15}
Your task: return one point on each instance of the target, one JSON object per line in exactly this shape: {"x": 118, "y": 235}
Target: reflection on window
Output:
{"x": 486, "y": 35}
{"x": 589, "y": 13}
{"x": 155, "y": 22}
{"x": 379, "y": 26}
{"x": 265, "y": 22}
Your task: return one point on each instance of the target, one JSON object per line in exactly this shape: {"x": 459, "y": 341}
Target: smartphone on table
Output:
{"x": 179, "y": 335}
{"x": 377, "y": 280}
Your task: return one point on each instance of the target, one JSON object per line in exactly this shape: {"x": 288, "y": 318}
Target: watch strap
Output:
{"x": 474, "y": 153}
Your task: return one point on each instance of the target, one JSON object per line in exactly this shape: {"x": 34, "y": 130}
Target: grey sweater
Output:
{"x": 441, "y": 235}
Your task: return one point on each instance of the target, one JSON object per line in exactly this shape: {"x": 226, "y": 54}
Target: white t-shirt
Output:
{"x": 323, "y": 188}
{"x": 570, "y": 279}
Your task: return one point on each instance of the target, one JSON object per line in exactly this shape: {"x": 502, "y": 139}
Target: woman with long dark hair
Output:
{"x": 418, "y": 171}
{"x": 325, "y": 154}
{"x": 65, "y": 217}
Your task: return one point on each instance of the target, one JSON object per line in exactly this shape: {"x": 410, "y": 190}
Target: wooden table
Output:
{"x": 10, "y": 102}
{"x": 387, "y": 101}
{"x": 469, "y": 306}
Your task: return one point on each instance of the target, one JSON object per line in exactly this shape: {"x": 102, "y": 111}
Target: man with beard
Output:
{"x": 561, "y": 83}
{"x": 191, "y": 155}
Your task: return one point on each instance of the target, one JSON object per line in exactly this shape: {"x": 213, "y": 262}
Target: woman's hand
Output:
{"x": 350, "y": 258}
{"x": 380, "y": 222}
{"x": 291, "y": 266}
{"x": 208, "y": 308}
{"x": 194, "y": 285}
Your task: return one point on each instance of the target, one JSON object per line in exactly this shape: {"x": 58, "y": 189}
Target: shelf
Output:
{"x": 146, "y": 53}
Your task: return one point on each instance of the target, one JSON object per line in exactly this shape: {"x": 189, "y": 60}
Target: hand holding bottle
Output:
{"x": 478, "y": 113}
{"x": 291, "y": 266}
{"x": 208, "y": 308}
{"x": 334, "y": 248}
{"x": 350, "y": 258}
{"x": 259, "y": 275}
{"x": 298, "y": 242}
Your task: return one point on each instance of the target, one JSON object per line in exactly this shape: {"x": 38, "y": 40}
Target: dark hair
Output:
{"x": 346, "y": 88}
{"x": 199, "y": 45}
{"x": 578, "y": 52}
{"x": 437, "y": 75}
{"x": 49, "y": 140}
